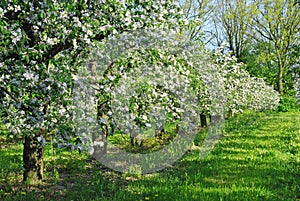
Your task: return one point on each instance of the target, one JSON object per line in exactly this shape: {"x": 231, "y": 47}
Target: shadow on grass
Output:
{"x": 257, "y": 160}
{"x": 222, "y": 178}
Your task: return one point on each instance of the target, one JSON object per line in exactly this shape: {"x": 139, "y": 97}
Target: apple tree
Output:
{"x": 42, "y": 44}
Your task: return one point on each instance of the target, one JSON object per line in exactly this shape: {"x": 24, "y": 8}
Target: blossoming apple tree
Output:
{"x": 42, "y": 44}
{"x": 244, "y": 92}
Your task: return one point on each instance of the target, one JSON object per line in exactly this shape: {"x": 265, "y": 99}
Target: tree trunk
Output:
{"x": 99, "y": 145}
{"x": 132, "y": 140}
{"x": 203, "y": 120}
{"x": 280, "y": 84}
{"x": 33, "y": 159}
{"x": 281, "y": 67}
{"x": 104, "y": 124}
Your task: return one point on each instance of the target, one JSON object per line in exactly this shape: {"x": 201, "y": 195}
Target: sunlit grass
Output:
{"x": 257, "y": 159}
{"x": 147, "y": 142}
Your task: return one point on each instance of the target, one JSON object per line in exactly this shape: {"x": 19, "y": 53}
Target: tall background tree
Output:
{"x": 277, "y": 24}
{"x": 197, "y": 14}
{"x": 233, "y": 20}
{"x": 263, "y": 34}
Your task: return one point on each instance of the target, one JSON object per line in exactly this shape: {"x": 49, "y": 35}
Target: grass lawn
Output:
{"x": 257, "y": 159}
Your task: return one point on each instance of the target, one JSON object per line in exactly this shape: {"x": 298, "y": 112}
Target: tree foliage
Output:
{"x": 197, "y": 14}
{"x": 234, "y": 19}
{"x": 42, "y": 45}
{"x": 261, "y": 34}
{"x": 277, "y": 22}
{"x": 244, "y": 92}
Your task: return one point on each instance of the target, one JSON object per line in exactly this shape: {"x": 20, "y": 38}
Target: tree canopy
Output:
{"x": 42, "y": 45}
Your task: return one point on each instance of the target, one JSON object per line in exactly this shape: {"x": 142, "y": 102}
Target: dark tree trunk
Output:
{"x": 203, "y": 120}
{"x": 99, "y": 138}
{"x": 104, "y": 124}
{"x": 33, "y": 159}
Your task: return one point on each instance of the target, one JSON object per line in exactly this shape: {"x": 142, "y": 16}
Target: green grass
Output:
{"x": 257, "y": 159}
{"x": 149, "y": 143}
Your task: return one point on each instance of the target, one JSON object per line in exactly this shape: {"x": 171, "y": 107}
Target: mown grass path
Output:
{"x": 257, "y": 159}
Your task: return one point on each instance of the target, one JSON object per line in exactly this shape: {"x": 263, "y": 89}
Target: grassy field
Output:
{"x": 257, "y": 159}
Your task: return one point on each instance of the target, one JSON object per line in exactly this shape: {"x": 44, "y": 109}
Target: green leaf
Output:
{"x": 8, "y": 41}
{"x": 42, "y": 14}
{"x": 27, "y": 58}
